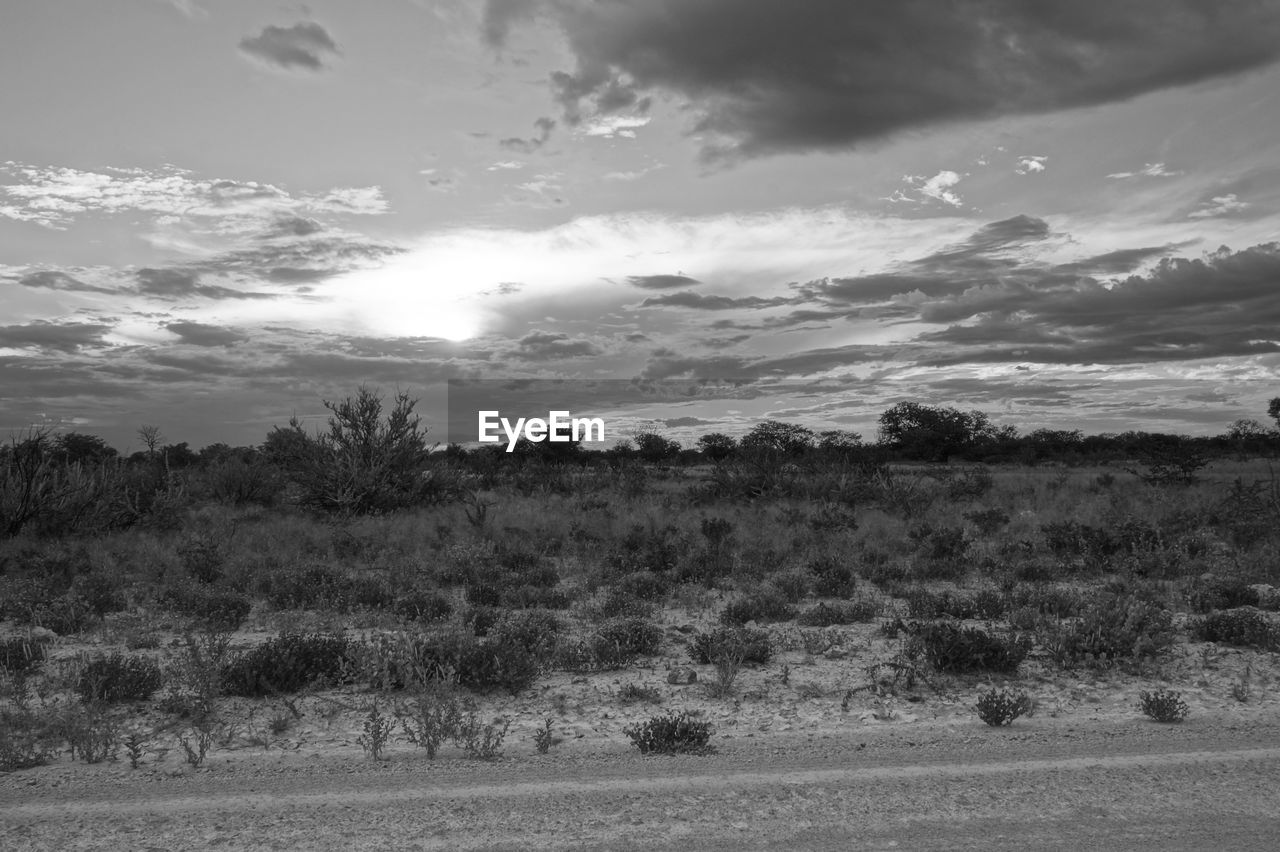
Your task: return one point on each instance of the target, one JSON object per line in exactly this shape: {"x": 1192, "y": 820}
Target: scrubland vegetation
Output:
{"x": 196, "y": 602}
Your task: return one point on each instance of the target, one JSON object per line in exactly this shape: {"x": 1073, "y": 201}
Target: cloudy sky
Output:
{"x": 214, "y": 215}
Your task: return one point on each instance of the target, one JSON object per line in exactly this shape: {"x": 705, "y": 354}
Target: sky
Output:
{"x": 217, "y": 215}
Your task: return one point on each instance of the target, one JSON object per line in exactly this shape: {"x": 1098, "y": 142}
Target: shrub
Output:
{"x": 423, "y": 605}
{"x": 644, "y": 585}
{"x": 222, "y": 609}
{"x": 761, "y": 606}
{"x": 1222, "y": 593}
{"x": 988, "y": 521}
{"x": 288, "y": 663}
{"x": 850, "y": 612}
{"x": 20, "y": 655}
{"x": 27, "y": 738}
{"x": 482, "y": 742}
{"x": 670, "y": 733}
{"x": 534, "y": 630}
{"x": 366, "y": 463}
{"x": 1163, "y": 705}
{"x": 309, "y": 587}
{"x": 63, "y": 615}
{"x": 432, "y": 718}
{"x": 530, "y": 597}
{"x": 1244, "y": 627}
{"x": 631, "y": 693}
{"x": 951, "y": 648}
{"x": 102, "y": 594}
{"x": 999, "y": 707}
{"x": 832, "y": 578}
{"x": 1121, "y": 627}
{"x": 241, "y": 483}
{"x": 755, "y": 645}
{"x": 119, "y": 677}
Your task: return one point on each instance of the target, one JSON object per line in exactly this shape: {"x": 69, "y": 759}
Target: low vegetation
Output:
{"x": 183, "y": 597}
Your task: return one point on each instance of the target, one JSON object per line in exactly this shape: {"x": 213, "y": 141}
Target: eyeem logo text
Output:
{"x": 537, "y": 430}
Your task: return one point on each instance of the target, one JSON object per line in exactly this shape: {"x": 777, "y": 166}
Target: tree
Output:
{"x": 1273, "y": 410}
{"x": 151, "y": 438}
{"x": 931, "y": 432}
{"x": 652, "y": 447}
{"x": 717, "y": 446}
{"x": 839, "y": 441}
{"x": 787, "y": 438}
{"x": 78, "y": 448}
{"x": 1246, "y": 429}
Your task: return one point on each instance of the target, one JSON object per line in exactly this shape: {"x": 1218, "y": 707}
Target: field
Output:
{"x": 575, "y": 616}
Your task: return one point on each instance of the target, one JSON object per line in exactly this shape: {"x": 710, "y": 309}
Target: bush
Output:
{"x": 1244, "y": 627}
{"x": 832, "y": 578}
{"x": 851, "y": 612}
{"x": 119, "y": 677}
{"x": 317, "y": 586}
{"x": 671, "y": 733}
{"x": 644, "y": 585}
{"x": 754, "y": 644}
{"x": 366, "y": 463}
{"x": 102, "y": 594}
{"x": 288, "y": 663}
{"x": 20, "y": 655}
{"x": 27, "y": 738}
{"x": 762, "y": 606}
{"x": 1163, "y": 705}
{"x": 999, "y": 707}
{"x": 423, "y": 605}
{"x": 951, "y": 648}
{"x": 1120, "y": 627}
{"x": 222, "y": 609}
{"x": 63, "y": 615}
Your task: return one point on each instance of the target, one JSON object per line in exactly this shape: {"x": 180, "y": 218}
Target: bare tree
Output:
{"x": 150, "y": 437}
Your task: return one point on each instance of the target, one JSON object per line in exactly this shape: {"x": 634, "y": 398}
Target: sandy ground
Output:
{"x": 1040, "y": 784}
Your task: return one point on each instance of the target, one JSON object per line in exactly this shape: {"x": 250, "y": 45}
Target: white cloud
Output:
{"x": 609, "y": 126}
{"x": 937, "y": 187}
{"x": 55, "y": 197}
{"x": 1030, "y": 164}
{"x": 1147, "y": 170}
{"x": 503, "y": 165}
{"x": 1220, "y": 205}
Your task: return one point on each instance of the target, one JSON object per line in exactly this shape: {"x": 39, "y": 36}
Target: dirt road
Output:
{"x": 1037, "y": 785}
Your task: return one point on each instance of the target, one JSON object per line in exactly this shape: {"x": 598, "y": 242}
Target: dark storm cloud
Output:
{"x": 199, "y": 334}
{"x": 702, "y": 302}
{"x": 304, "y": 45}
{"x": 985, "y": 257}
{"x": 61, "y": 337}
{"x": 771, "y": 77}
{"x": 1224, "y": 304}
{"x": 51, "y": 279}
{"x": 548, "y": 346}
{"x": 661, "y": 282}
{"x": 1117, "y": 262}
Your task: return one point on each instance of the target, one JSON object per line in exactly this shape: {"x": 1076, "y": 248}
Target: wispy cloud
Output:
{"x": 1219, "y": 205}
{"x": 1147, "y": 170}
